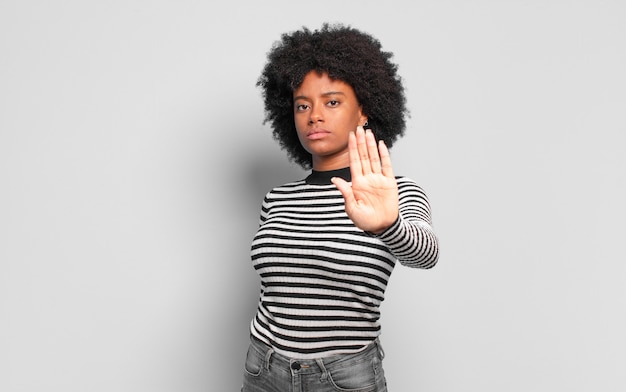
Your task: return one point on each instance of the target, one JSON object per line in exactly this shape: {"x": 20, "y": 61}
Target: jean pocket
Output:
{"x": 362, "y": 376}
{"x": 254, "y": 362}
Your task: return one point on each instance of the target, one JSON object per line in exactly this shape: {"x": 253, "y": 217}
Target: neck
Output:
{"x": 324, "y": 177}
{"x": 331, "y": 163}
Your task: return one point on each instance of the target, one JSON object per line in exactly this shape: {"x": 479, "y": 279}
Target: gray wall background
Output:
{"x": 133, "y": 161}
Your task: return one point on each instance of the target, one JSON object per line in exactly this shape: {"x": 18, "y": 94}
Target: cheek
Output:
{"x": 299, "y": 120}
{"x": 300, "y": 130}
{"x": 351, "y": 123}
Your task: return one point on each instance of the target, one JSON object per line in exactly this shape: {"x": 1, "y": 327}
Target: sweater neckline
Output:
{"x": 323, "y": 177}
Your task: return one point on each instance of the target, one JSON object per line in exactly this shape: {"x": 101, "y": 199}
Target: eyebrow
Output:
{"x": 327, "y": 94}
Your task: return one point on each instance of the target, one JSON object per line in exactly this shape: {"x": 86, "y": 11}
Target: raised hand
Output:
{"x": 372, "y": 200}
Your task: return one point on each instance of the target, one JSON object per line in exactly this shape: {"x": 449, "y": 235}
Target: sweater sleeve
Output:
{"x": 265, "y": 208}
{"x": 411, "y": 237}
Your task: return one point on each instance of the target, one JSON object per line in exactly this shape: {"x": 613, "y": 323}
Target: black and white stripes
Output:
{"x": 322, "y": 278}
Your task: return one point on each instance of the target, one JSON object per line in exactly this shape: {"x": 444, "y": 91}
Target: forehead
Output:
{"x": 315, "y": 83}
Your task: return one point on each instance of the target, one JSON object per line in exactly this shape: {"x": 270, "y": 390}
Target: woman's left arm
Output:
{"x": 395, "y": 210}
{"x": 411, "y": 237}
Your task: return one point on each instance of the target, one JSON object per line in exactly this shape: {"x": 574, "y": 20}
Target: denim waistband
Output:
{"x": 309, "y": 366}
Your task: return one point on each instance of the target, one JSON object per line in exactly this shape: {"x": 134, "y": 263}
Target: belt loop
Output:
{"x": 268, "y": 354}
{"x": 320, "y": 363}
{"x": 380, "y": 349}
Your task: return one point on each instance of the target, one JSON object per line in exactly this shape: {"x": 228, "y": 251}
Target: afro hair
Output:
{"x": 346, "y": 54}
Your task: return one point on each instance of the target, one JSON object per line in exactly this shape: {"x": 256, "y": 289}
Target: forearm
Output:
{"x": 411, "y": 237}
{"x": 413, "y": 242}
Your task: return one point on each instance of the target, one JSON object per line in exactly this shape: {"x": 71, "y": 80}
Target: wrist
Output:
{"x": 385, "y": 227}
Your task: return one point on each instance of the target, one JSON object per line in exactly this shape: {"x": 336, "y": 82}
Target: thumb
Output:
{"x": 344, "y": 187}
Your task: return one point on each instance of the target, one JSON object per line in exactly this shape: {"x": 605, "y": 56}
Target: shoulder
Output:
{"x": 413, "y": 199}
{"x": 408, "y": 184}
{"x": 286, "y": 189}
{"x": 408, "y": 190}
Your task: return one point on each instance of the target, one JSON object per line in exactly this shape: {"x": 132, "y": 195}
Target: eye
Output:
{"x": 301, "y": 107}
{"x": 333, "y": 103}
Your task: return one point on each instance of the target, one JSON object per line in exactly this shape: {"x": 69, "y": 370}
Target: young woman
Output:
{"x": 327, "y": 244}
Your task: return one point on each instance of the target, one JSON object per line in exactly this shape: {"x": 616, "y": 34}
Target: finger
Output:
{"x": 372, "y": 151}
{"x": 355, "y": 161}
{"x": 385, "y": 159}
{"x": 366, "y": 166}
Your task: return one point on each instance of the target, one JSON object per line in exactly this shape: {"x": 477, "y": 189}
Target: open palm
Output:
{"x": 372, "y": 200}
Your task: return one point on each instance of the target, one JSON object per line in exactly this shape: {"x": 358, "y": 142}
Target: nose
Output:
{"x": 316, "y": 115}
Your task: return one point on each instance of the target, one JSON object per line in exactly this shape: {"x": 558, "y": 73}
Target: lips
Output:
{"x": 316, "y": 134}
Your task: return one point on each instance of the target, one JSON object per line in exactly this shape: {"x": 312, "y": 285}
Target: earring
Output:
{"x": 366, "y": 124}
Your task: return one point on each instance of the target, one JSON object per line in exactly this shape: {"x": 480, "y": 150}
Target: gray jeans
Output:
{"x": 268, "y": 371}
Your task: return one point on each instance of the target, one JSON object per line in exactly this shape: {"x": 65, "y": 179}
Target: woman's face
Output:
{"x": 325, "y": 112}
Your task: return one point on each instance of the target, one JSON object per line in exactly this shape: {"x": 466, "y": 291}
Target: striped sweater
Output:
{"x": 322, "y": 278}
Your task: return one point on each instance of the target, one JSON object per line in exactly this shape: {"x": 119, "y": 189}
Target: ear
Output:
{"x": 362, "y": 119}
